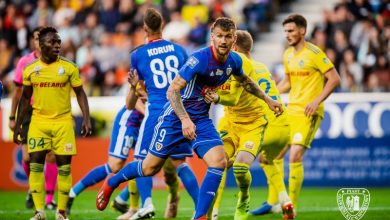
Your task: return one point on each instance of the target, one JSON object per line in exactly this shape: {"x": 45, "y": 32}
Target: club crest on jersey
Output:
{"x": 301, "y": 63}
{"x": 158, "y": 146}
{"x": 353, "y": 202}
{"x": 249, "y": 145}
{"x": 229, "y": 70}
{"x": 61, "y": 71}
{"x": 192, "y": 62}
{"x": 37, "y": 69}
{"x": 68, "y": 147}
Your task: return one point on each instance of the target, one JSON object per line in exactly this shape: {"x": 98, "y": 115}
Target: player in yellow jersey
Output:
{"x": 246, "y": 127}
{"x": 311, "y": 78}
{"x": 50, "y": 79}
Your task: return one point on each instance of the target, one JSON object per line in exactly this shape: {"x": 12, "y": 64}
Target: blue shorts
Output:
{"x": 168, "y": 138}
{"x": 123, "y": 136}
{"x": 152, "y": 114}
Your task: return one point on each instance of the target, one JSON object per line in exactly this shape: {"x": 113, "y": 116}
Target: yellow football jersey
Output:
{"x": 51, "y": 85}
{"x": 268, "y": 85}
{"x": 306, "y": 70}
{"x": 242, "y": 106}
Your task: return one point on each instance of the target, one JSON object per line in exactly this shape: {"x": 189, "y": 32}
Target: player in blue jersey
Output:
{"x": 124, "y": 135}
{"x": 185, "y": 118}
{"x": 157, "y": 63}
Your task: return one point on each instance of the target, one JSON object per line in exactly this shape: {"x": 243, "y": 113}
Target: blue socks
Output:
{"x": 208, "y": 190}
{"x": 189, "y": 181}
{"x": 130, "y": 171}
{"x": 94, "y": 176}
{"x": 144, "y": 185}
{"x": 124, "y": 194}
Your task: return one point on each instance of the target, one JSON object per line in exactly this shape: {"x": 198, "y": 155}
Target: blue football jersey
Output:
{"x": 157, "y": 63}
{"x": 202, "y": 71}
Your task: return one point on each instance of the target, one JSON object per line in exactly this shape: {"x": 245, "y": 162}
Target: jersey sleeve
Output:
{"x": 322, "y": 62}
{"x": 75, "y": 79}
{"x": 192, "y": 67}
{"x": 134, "y": 64}
{"x": 238, "y": 71}
{"x": 26, "y": 77}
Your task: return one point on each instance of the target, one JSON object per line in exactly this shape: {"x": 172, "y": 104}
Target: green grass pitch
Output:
{"x": 315, "y": 203}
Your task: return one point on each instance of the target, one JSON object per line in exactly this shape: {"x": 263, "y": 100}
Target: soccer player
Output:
{"x": 124, "y": 136}
{"x": 156, "y": 64}
{"x": 185, "y": 120}
{"x": 50, "y": 78}
{"x": 311, "y": 78}
{"x": 249, "y": 127}
{"x": 50, "y": 165}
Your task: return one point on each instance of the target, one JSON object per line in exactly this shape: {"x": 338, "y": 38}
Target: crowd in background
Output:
{"x": 99, "y": 34}
{"x": 356, "y": 37}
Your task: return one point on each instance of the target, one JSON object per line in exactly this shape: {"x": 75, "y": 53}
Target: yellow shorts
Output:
{"x": 303, "y": 129}
{"x": 57, "y": 136}
{"x": 276, "y": 137}
{"x": 242, "y": 136}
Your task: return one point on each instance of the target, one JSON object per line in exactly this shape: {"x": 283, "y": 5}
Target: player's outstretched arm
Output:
{"x": 174, "y": 97}
{"x": 22, "y": 110}
{"x": 332, "y": 81}
{"x": 83, "y": 103}
{"x": 253, "y": 88}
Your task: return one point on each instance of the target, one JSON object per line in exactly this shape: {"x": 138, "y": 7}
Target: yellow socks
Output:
{"x": 295, "y": 181}
{"x": 133, "y": 194}
{"x": 64, "y": 181}
{"x": 36, "y": 182}
{"x": 243, "y": 178}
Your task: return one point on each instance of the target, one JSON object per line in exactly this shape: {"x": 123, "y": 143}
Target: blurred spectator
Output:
{"x": 127, "y": 11}
{"x": 195, "y": 13}
{"x": 109, "y": 15}
{"x": 64, "y": 12}
{"x": 22, "y": 33}
{"x": 110, "y": 88}
{"x": 42, "y": 15}
{"x": 379, "y": 78}
{"x": 82, "y": 13}
{"x": 6, "y": 58}
{"x": 351, "y": 73}
{"x": 92, "y": 28}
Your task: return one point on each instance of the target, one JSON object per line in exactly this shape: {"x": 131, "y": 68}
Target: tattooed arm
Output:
{"x": 174, "y": 97}
{"x": 253, "y": 88}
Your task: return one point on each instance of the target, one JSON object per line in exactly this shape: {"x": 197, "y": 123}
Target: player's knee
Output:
{"x": 115, "y": 167}
{"x": 220, "y": 162}
{"x": 151, "y": 170}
